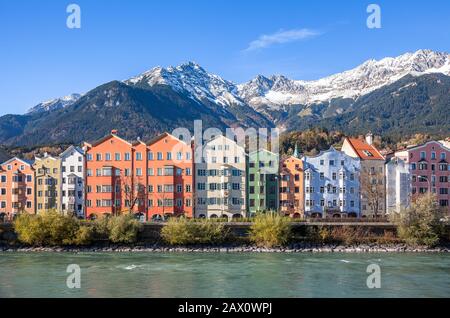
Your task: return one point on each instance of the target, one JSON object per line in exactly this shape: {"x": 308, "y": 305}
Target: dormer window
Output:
{"x": 368, "y": 153}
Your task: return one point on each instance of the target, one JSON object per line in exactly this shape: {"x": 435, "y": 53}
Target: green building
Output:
{"x": 262, "y": 181}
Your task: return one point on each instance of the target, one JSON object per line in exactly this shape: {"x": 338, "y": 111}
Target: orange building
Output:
{"x": 109, "y": 174}
{"x": 16, "y": 187}
{"x": 170, "y": 177}
{"x": 291, "y": 187}
{"x": 145, "y": 178}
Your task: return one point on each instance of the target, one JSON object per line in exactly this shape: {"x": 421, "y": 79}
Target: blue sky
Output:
{"x": 40, "y": 58}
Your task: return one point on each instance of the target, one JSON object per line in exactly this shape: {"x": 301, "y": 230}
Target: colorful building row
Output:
{"x": 160, "y": 178}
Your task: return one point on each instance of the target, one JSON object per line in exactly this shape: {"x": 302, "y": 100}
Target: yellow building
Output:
{"x": 48, "y": 183}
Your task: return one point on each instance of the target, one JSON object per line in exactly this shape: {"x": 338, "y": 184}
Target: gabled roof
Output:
{"x": 363, "y": 150}
{"x": 113, "y": 134}
{"x": 164, "y": 135}
{"x": 425, "y": 144}
{"x": 71, "y": 148}
{"x": 27, "y": 162}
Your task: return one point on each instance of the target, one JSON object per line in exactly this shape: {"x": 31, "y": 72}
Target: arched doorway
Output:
{"x": 157, "y": 217}
{"x": 213, "y": 216}
{"x": 224, "y": 216}
{"x": 316, "y": 215}
{"x": 336, "y": 216}
{"x": 93, "y": 217}
{"x": 352, "y": 215}
{"x": 237, "y": 216}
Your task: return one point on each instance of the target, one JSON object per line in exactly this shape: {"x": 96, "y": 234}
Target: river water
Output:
{"x": 32, "y": 274}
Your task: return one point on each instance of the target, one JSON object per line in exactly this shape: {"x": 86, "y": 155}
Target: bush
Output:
{"x": 181, "y": 231}
{"x": 420, "y": 223}
{"x": 270, "y": 229}
{"x": 121, "y": 229}
{"x": 51, "y": 228}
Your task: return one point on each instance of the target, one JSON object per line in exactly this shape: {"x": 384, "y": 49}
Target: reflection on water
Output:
{"x": 223, "y": 275}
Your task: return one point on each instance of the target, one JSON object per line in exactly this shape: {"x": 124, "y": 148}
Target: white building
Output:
{"x": 398, "y": 185}
{"x": 72, "y": 168}
{"x": 221, "y": 180}
{"x": 332, "y": 186}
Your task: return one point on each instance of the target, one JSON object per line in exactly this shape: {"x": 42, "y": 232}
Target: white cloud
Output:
{"x": 267, "y": 40}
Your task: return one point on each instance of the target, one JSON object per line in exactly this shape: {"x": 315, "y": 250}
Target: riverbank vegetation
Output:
{"x": 54, "y": 229}
{"x": 182, "y": 231}
{"x": 420, "y": 224}
{"x": 270, "y": 230}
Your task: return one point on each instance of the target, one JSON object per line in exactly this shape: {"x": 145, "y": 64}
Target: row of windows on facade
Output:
{"x": 18, "y": 178}
{"x": 442, "y": 179}
{"x": 72, "y": 169}
{"x": 424, "y": 166}
{"x": 262, "y": 164}
{"x": 219, "y": 172}
{"x": 423, "y": 155}
{"x": 220, "y": 201}
{"x": 252, "y": 202}
{"x": 309, "y": 176}
{"x": 16, "y": 205}
{"x": 138, "y": 156}
{"x": 16, "y": 191}
{"x": 167, "y": 171}
{"x": 330, "y": 204}
{"x": 201, "y": 186}
{"x": 421, "y": 190}
{"x": 272, "y": 190}
{"x": 329, "y": 189}
{"x": 140, "y": 203}
{"x": 166, "y": 188}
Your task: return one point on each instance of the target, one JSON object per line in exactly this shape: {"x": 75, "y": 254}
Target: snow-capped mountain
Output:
{"x": 54, "y": 104}
{"x": 191, "y": 79}
{"x": 277, "y": 91}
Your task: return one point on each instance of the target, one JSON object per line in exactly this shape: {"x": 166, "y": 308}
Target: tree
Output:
{"x": 373, "y": 189}
{"x": 420, "y": 224}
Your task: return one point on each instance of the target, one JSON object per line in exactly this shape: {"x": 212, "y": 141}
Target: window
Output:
{"x": 150, "y": 156}
{"x": 169, "y": 156}
{"x": 179, "y": 188}
{"x": 179, "y": 156}
{"x": 138, "y": 156}
{"x": 159, "y": 156}
{"x": 138, "y": 172}
{"x": 188, "y": 188}
{"x": 188, "y": 171}
{"x": 99, "y": 157}
{"x": 108, "y": 157}
{"x": 331, "y": 163}
{"x": 422, "y": 155}
{"x": 89, "y": 157}
{"x": 433, "y": 155}
{"x": 150, "y": 171}
{"x": 201, "y": 186}
{"x": 322, "y": 162}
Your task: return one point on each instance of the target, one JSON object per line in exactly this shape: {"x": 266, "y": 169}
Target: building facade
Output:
{"x": 430, "y": 170}
{"x": 109, "y": 169}
{"x": 332, "y": 187}
{"x": 372, "y": 177}
{"x": 398, "y": 185}
{"x": 72, "y": 181}
{"x": 291, "y": 190}
{"x": 17, "y": 184}
{"x": 262, "y": 181}
{"x": 220, "y": 180}
{"x": 170, "y": 177}
{"x": 48, "y": 183}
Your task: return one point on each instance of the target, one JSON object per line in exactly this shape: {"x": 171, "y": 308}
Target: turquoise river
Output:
{"x": 140, "y": 274}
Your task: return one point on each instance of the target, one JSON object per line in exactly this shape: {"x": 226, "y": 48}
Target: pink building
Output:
{"x": 430, "y": 170}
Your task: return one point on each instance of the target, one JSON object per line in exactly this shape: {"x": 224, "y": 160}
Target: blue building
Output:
{"x": 332, "y": 185}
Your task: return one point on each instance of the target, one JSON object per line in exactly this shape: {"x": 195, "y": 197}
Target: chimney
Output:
{"x": 369, "y": 138}
{"x": 114, "y": 132}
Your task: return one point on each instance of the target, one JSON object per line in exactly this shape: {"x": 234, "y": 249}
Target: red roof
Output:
{"x": 364, "y": 150}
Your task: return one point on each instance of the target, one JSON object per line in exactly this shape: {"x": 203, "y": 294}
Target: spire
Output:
{"x": 296, "y": 154}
